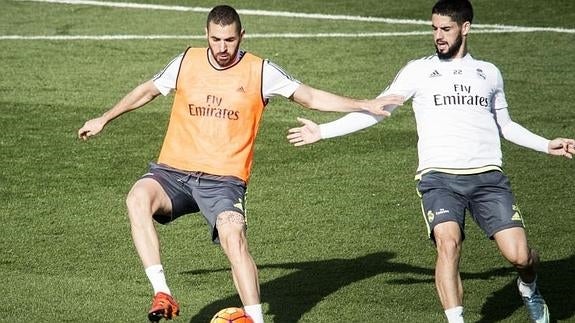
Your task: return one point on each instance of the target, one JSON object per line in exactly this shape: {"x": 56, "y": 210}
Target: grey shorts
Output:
{"x": 487, "y": 196}
{"x": 192, "y": 192}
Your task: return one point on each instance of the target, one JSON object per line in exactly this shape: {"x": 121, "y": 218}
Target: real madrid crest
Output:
{"x": 430, "y": 216}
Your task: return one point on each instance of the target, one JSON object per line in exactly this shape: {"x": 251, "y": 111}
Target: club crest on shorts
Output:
{"x": 430, "y": 216}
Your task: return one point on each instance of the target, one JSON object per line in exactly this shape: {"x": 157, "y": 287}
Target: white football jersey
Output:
{"x": 455, "y": 103}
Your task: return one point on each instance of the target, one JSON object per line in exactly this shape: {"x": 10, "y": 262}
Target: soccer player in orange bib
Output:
{"x": 206, "y": 157}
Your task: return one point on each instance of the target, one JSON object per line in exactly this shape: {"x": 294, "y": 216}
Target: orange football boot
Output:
{"x": 163, "y": 306}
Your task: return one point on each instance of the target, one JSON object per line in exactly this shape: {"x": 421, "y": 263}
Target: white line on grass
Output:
{"x": 240, "y": 11}
{"x": 152, "y": 37}
{"x": 482, "y": 28}
{"x": 284, "y": 35}
{"x": 294, "y": 15}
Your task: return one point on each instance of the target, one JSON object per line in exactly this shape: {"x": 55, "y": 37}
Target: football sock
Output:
{"x": 255, "y": 312}
{"x": 156, "y": 276}
{"x": 525, "y": 289}
{"x": 455, "y": 314}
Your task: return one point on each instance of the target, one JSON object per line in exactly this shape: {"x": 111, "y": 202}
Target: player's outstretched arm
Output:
{"x": 312, "y": 98}
{"x": 307, "y": 134}
{"x": 138, "y": 97}
{"x": 311, "y": 132}
{"x": 384, "y": 105}
{"x": 562, "y": 147}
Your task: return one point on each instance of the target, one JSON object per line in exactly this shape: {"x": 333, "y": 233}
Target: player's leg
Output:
{"x": 495, "y": 211}
{"x": 512, "y": 243}
{"x": 444, "y": 212}
{"x": 159, "y": 195}
{"x": 232, "y": 235}
{"x": 513, "y": 246}
{"x": 222, "y": 202}
{"x": 145, "y": 199}
{"x": 448, "y": 241}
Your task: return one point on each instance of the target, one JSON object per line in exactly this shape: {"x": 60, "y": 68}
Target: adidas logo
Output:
{"x": 239, "y": 205}
{"x": 435, "y": 74}
{"x": 241, "y": 89}
{"x": 516, "y": 213}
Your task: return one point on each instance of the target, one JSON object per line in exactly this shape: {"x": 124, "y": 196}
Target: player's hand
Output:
{"x": 562, "y": 147}
{"x": 383, "y": 106}
{"x": 308, "y": 133}
{"x": 91, "y": 128}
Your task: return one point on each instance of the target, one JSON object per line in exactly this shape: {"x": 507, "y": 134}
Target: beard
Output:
{"x": 452, "y": 50}
{"x": 224, "y": 59}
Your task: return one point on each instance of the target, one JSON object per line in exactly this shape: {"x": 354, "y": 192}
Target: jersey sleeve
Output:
{"x": 276, "y": 82}
{"x": 511, "y": 130}
{"x": 517, "y": 134}
{"x": 350, "y": 123}
{"x": 498, "y": 100}
{"x": 404, "y": 83}
{"x": 166, "y": 79}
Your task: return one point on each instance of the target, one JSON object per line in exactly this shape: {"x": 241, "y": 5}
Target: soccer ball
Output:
{"x": 231, "y": 315}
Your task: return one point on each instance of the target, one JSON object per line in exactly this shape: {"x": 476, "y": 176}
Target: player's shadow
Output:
{"x": 557, "y": 279}
{"x": 311, "y": 283}
{"x": 556, "y": 285}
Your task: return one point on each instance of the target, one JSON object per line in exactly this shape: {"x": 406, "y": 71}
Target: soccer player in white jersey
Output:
{"x": 461, "y": 112}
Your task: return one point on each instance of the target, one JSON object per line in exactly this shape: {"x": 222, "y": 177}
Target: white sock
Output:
{"x": 525, "y": 289}
{"x": 255, "y": 312}
{"x": 454, "y": 314}
{"x": 156, "y": 276}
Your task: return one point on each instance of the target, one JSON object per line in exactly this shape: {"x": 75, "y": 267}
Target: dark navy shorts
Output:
{"x": 487, "y": 196}
{"x": 192, "y": 192}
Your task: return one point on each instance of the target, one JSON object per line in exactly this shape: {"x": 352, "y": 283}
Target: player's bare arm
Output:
{"x": 324, "y": 101}
{"x": 384, "y": 105}
{"x": 562, "y": 147}
{"x": 138, "y": 97}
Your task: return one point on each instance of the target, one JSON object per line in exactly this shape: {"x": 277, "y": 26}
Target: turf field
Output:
{"x": 335, "y": 227}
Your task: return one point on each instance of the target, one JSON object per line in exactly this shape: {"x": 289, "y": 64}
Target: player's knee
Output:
{"x": 235, "y": 247}
{"x": 448, "y": 238}
{"x": 136, "y": 198}
{"x": 448, "y": 247}
{"x": 521, "y": 259}
{"x": 231, "y": 231}
{"x": 142, "y": 201}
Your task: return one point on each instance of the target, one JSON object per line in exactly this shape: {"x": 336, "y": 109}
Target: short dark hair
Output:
{"x": 224, "y": 15}
{"x": 459, "y": 11}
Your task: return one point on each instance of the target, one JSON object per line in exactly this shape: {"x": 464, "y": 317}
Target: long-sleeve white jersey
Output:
{"x": 460, "y": 111}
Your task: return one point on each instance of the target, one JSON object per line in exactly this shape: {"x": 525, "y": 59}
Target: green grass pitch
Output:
{"x": 335, "y": 227}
